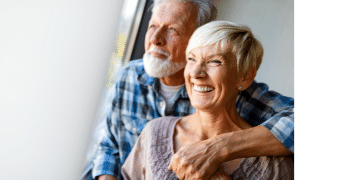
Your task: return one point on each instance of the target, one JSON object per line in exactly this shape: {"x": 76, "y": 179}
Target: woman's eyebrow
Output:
{"x": 192, "y": 54}
{"x": 211, "y": 55}
{"x": 217, "y": 54}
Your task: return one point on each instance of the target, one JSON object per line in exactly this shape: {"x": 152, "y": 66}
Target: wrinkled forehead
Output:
{"x": 175, "y": 12}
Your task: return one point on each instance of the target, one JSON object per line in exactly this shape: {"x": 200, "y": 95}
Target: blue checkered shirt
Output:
{"x": 136, "y": 99}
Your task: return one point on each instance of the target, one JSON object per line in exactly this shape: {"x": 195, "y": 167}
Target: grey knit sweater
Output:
{"x": 152, "y": 154}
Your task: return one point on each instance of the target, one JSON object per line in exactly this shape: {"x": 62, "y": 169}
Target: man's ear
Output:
{"x": 247, "y": 78}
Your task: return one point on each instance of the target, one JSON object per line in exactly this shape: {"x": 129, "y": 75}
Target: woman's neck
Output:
{"x": 208, "y": 124}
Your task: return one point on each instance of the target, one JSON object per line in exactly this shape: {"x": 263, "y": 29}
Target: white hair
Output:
{"x": 232, "y": 37}
{"x": 206, "y": 10}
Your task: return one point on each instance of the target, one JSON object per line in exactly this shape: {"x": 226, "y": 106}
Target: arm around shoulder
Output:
{"x": 259, "y": 106}
{"x": 253, "y": 142}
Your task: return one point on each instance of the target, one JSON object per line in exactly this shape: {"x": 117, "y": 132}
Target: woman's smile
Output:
{"x": 201, "y": 88}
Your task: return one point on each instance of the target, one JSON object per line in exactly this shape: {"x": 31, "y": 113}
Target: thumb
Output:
{"x": 170, "y": 165}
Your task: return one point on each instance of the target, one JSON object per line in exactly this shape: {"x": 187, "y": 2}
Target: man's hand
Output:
{"x": 106, "y": 177}
{"x": 200, "y": 160}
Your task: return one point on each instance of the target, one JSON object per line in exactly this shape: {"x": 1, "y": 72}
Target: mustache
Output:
{"x": 157, "y": 50}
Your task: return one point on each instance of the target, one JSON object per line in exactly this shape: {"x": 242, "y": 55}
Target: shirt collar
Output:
{"x": 183, "y": 92}
{"x": 147, "y": 80}
{"x": 144, "y": 78}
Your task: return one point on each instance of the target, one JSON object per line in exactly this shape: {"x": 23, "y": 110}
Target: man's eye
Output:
{"x": 173, "y": 30}
{"x": 152, "y": 26}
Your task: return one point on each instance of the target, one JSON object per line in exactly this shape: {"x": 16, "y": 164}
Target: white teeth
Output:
{"x": 203, "y": 88}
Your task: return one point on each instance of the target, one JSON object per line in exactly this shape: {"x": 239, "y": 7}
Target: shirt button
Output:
{"x": 161, "y": 104}
{"x": 135, "y": 129}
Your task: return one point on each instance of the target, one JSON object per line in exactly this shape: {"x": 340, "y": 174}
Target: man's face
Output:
{"x": 170, "y": 28}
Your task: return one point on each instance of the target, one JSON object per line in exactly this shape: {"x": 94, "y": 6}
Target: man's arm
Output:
{"x": 253, "y": 142}
{"x": 273, "y": 138}
{"x": 107, "y": 160}
{"x": 106, "y": 164}
{"x": 259, "y": 106}
{"x": 104, "y": 154}
{"x": 122, "y": 126}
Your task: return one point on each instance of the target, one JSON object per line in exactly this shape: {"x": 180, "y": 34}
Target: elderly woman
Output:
{"x": 222, "y": 60}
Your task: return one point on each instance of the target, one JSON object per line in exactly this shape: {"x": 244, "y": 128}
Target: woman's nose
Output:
{"x": 198, "y": 71}
{"x": 158, "y": 37}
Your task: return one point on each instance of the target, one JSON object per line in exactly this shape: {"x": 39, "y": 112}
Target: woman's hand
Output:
{"x": 220, "y": 175}
{"x": 106, "y": 177}
{"x": 200, "y": 160}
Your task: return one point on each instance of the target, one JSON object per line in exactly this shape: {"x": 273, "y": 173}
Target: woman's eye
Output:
{"x": 191, "y": 59}
{"x": 216, "y": 62}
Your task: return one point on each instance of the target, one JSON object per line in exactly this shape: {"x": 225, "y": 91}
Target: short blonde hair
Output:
{"x": 230, "y": 36}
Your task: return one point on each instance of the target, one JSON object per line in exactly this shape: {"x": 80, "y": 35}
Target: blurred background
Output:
{"x": 58, "y": 58}
{"x": 54, "y": 57}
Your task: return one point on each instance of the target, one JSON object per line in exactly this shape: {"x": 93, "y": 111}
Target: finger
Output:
{"x": 170, "y": 164}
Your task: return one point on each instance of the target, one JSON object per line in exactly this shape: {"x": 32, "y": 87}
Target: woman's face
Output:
{"x": 211, "y": 78}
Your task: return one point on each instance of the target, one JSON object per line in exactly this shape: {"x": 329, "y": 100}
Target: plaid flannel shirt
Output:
{"x": 136, "y": 99}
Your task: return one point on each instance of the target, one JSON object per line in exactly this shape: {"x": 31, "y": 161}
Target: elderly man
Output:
{"x": 153, "y": 87}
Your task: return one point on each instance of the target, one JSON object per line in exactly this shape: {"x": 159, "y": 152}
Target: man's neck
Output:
{"x": 175, "y": 79}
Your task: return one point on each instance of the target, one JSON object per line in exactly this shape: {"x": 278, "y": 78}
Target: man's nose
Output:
{"x": 198, "y": 71}
{"x": 158, "y": 37}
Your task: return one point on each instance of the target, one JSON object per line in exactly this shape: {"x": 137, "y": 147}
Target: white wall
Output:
{"x": 54, "y": 58}
{"x": 272, "y": 22}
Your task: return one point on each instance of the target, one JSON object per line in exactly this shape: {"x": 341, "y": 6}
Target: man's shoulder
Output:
{"x": 135, "y": 65}
{"x": 131, "y": 70}
{"x": 161, "y": 124}
{"x": 259, "y": 93}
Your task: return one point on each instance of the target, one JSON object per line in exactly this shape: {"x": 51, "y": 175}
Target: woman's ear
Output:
{"x": 247, "y": 78}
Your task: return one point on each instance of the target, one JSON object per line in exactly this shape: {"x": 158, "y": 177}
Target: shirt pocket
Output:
{"x": 133, "y": 124}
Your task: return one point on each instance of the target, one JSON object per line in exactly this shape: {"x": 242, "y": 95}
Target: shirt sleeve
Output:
{"x": 108, "y": 156}
{"x": 107, "y": 159}
{"x": 259, "y": 106}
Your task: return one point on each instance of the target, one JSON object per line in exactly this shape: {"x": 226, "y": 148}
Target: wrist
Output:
{"x": 226, "y": 150}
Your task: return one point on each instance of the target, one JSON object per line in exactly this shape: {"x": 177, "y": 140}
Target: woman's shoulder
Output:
{"x": 265, "y": 167}
{"x": 162, "y": 123}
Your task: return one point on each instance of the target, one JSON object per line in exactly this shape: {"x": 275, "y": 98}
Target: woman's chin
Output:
{"x": 202, "y": 106}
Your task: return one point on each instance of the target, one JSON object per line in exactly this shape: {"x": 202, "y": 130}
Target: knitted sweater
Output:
{"x": 152, "y": 154}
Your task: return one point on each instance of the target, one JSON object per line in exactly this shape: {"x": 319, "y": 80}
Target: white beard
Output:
{"x": 157, "y": 67}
